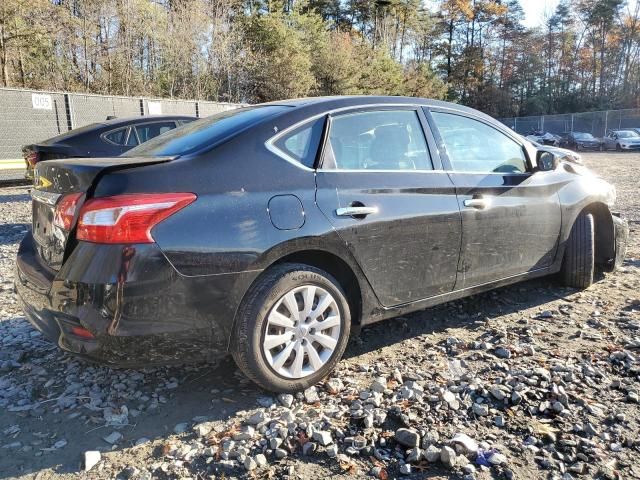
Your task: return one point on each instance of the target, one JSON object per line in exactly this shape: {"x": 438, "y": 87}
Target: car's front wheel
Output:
{"x": 578, "y": 265}
{"x": 292, "y": 328}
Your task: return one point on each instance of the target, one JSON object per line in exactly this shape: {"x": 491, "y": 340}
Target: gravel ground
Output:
{"x": 529, "y": 381}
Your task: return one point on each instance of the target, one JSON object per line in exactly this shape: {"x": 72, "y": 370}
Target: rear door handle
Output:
{"x": 356, "y": 211}
{"x": 478, "y": 203}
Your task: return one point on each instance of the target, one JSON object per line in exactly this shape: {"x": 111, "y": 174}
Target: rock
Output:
{"x": 407, "y": 437}
{"x": 180, "y": 428}
{"x": 308, "y": 448}
{"x": 91, "y": 459}
{"x": 450, "y": 399}
{"x": 311, "y": 395}
{"x": 142, "y": 441}
{"x": 448, "y": 456}
{"x": 332, "y": 451}
{"x": 203, "y": 429}
{"x": 334, "y": 386}
{"x": 499, "y": 421}
{"x": 414, "y": 455}
{"x": 379, "y": 385}
{"x": 113, "y": 438}
{"x": 285, "y": 399}
{"x": 469, "y": 444}
{"x": 497, "y": 459}
{"x": 481, "y": 409}
{"x": 261, "y": 460}
{"x": 265, "y": 402}
{"x": 432, "y": 454}
{"x": 502, "y": 352}
{"x": 322, "y": 437}
{"x": 280, "y": 453}
{"x": 431, "y": 437}
{"x": 275, "y": 443}
{"x": 497, "y": 393}
{"x": 250, "y": 464}
{"x": 257, "y": 418}
{"x": 558, "y": 407}
{"x": 246, "y": 433}
{"x": 405, "y": 469}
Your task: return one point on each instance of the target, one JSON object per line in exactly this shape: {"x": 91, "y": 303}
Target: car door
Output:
{"x": 391, "y": 202}
{"x": 511, "y": 217}
{"x": 610, "y": 141}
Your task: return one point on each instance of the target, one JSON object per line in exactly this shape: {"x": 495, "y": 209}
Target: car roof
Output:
{"x": 356, "y": 100}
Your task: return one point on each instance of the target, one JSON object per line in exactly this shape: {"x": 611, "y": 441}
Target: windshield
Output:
{"x": 583, "y": 136}
{"x": 627, "y": 134}
{"x": 207, "y": 131}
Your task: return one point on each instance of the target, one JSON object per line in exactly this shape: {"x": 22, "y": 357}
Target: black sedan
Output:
{"x": 270, "y": 232}
{"x": 580, "y": 141}
{"x": 104, "y": 139}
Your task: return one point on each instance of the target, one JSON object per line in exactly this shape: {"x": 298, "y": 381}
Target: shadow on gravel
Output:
{"x": 11, "y": 233}
{"x": 13, "y": 198}
{"x": 182, "y": 394}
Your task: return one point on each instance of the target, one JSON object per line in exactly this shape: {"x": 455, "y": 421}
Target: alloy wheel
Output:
{"x": 302, "y": 331}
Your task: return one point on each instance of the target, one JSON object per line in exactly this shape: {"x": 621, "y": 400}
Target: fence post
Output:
{"x": 515, "y": 124}
{"x": 68, "y": 112}
{"x": 142, "y": 107}
{"x": 572, "y": 115}
{"x": 542, "y": 123}
{"x": 197, "y": 109}
{"x": 606, "y": 123}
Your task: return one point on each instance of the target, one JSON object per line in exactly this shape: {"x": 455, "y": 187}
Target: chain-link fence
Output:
{"x": 28, "y": 116}
{"x": 596, "y": 123}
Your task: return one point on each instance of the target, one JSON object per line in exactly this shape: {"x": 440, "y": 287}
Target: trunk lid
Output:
{"x": 56, "y": 179}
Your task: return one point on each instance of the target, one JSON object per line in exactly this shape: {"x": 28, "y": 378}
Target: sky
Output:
{"x": 535, "y": 10}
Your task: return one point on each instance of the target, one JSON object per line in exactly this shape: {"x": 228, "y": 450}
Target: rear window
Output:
{"x": 197, "y": 135}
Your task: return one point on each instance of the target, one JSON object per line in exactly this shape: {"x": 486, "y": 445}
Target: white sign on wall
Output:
{"x": 155, "y": 108}
{"x": 41, "y": 101}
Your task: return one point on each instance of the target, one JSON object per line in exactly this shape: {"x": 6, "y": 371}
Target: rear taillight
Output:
{"x": 65, "y": 210}
{"x": 31, "y": 157}
{"x": 128, "y": 218}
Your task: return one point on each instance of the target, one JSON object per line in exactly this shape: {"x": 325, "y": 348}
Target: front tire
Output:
{"x": 578, "y": 265}
{"x": 618, "y": 148}
{"x": 292, "y": 328}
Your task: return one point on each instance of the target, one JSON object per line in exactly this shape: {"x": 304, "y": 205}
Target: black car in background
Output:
{"x": 269, "y": 232}
{"x": 104, "y": 139}
{"x": 580, "y": 141}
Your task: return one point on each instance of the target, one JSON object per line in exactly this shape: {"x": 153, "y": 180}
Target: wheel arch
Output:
{"x": 605, "y": 243}
{"x": 338, "y": 269}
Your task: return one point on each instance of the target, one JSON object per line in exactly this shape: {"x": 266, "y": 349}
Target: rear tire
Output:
{"x": 263, "y": 314}
{"x": 578, "y": 265}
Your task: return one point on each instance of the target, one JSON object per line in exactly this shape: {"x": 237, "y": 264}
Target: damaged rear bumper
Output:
{"x": 132, "y": 307}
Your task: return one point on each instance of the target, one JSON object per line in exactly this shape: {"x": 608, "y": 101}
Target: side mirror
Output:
{"x": 546, "y": 161}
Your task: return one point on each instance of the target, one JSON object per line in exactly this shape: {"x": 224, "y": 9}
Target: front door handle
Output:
{"x": 478, "y": 203}
{"x": 356, "y": 211}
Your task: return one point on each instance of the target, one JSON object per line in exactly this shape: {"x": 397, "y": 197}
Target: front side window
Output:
{"x": 473, "y": 146}
{"x": 301, "y": 144}
{"x": 377, "y": 140}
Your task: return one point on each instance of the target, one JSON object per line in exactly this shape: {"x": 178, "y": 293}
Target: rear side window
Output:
{"x": 475, "y": 147}
{"x": 301, "y": 144}
{"x": 151, "y": 130}
{"x": 117, "y": 137}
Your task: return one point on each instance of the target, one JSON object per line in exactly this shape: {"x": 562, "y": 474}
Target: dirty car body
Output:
{"x": 308, "y": 181}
